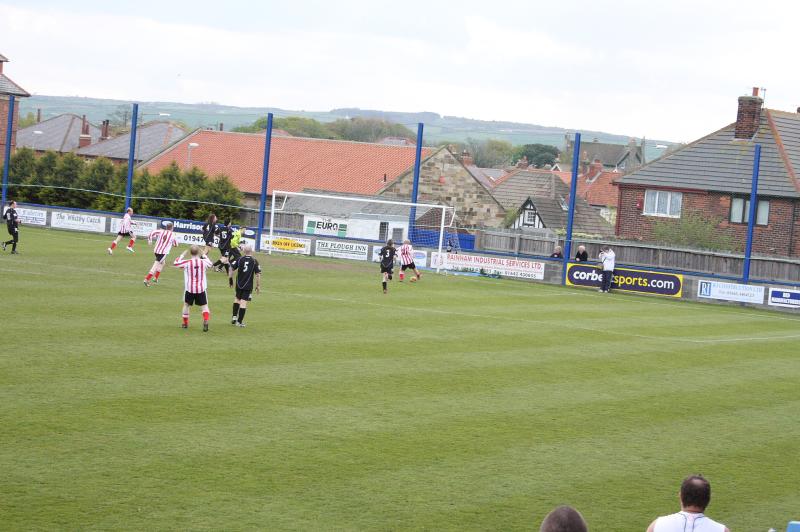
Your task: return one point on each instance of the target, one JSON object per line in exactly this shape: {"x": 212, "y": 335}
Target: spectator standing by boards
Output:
{"x": 557, "y": 253}
{"x": 581, "y": 255}
{"x": 607, "y": 260}
{"x": 695, "y": 495}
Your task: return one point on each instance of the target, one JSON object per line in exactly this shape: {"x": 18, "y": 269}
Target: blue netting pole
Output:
{"x": 131, "y": 154}
{"x": 412, "y": 217}
{"x": 264, "y": 181}
{"x": 573, "y": 188}
{"x": 751, "y": 221}
{"x": 7, "y": 154}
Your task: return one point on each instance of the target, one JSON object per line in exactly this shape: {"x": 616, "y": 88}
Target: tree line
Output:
{"x": 356, "y": 129}
{"x": 67, "y": 180}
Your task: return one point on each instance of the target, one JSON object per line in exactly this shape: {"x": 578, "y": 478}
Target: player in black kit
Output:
{"x": 209, "y": 229}
{"x": 225, "y": 233}
{"x": 387, "y": 262}
{"x": 249, "y": 270}
{"x": 12, "y": 223}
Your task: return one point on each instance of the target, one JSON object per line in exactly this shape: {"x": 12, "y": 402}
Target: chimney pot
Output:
{"x": 221, "y": 126}
{"x": 755, "y": 92}
{"x": 38, "y": 115}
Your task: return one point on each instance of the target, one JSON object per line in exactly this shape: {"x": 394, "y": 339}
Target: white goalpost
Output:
{"x": 331, "y": 220}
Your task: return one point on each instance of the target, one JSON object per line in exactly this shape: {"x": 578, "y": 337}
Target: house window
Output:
{"x": 740, "y": 211}
{"x": 663, "y": 203}
{"x": 530, "y": 218}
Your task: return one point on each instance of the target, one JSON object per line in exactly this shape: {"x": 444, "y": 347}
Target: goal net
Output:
{"x": 353, "y": 227}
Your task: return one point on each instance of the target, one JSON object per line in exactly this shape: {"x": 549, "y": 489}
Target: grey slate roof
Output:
{"x": 60, "y": 133}
{"x": 151, "y": 138}
{"x": 548, "y": 193}
{"x": 9, "y": 87}
{"x": 719, "y": 163}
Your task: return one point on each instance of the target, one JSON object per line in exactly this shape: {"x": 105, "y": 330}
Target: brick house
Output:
{"x": 8, "y": 88}
{"x": 712, "y": 177}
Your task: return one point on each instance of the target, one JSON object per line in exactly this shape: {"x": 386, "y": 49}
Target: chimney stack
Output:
{"x": 39, "y": 115}
{"x": 523, "y": 162}
{"x": 85, "y": 139}
{"x": 466, "y": 158}
{"x": 221, "y": 126}
{"x": 748, "y": 117}
{"x": 104, "y": 130}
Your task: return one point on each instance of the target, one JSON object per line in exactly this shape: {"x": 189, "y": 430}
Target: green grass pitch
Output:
{"x": 452, "y": 404}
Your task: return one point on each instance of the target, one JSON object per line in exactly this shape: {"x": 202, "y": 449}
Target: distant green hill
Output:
{"x": 437, "y": 128}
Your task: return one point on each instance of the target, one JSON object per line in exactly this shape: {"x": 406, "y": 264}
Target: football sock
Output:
{"x": 241, "y": 314}
{"x": 402, "y": 275}
{"x": 149, "y": 276}
{"x": 218, "y": 263}
{"x": 157, "y": 274}
{"x": 206, "y": 315}
{"x": 186, "y": 320}
{"x": 235, "y": 309}
{"x": 384, "y": 285}
{"x": 113, "y": 244}
{"x": 227, "y": 268}
{"x": 130, "y": 244}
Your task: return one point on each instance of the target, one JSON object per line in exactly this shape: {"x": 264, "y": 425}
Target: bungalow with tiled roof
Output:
{"x": 712, "y": 177}
{"x": 151, "y": 138}
{"x": 296, "y": 163}
{"x": 8, "y": 88}
{"x": 63, "y": 133}
{"x": 598, "y": 187}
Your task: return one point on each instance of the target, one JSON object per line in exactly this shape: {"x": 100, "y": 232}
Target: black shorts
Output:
{"x": 225, "y": 252}
{"x": 235, "y": 254}
{"x": 209, "y": 243}
{"x": 129, "y": 234}
{"x": 12, "y": 230}
{"x": 387, "y": 269}
{"x": 244, "y": 295}
{"x": 160, "y": 257}
{"x": 412, "y": 266}
{"x": 195, "y": 299}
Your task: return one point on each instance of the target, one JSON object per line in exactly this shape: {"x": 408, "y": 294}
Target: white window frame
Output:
{"x": 671, "y": 197}
{"x": 762, "y": 209}
{"x": 529, "y": 217}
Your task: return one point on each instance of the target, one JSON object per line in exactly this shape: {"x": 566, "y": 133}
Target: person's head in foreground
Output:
{"x": 247, "y": 249}
{"x": 194, "y": 250}
{"x": 564, "y": 519}
{"x": 695, "y": 494}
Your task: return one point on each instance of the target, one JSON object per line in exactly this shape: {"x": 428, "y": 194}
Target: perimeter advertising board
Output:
{"x": 32, "y": 216}
{"x": 286, "y": 244}
{"x": 78, "y": 221}
{"x": 507, "y": 267}
{"x": 420, "y": 257}
{"x": 742, "y": 293}
{"x": 628, "y": 280}
{"x": 342, "y": 250}
{"x": 140, "y": 227}
{"x": 784, "y": 297}
{"x": 325, "y": 226}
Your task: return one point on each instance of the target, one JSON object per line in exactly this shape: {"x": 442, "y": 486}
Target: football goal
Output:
{"x": 298, "y": 220}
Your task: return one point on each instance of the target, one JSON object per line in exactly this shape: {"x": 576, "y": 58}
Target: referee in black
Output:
{"x": 248, "y": 271}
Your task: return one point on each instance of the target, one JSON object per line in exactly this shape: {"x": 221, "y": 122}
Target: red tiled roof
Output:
{"x": 295, "y": 163}
{"x": 596, "y": 189}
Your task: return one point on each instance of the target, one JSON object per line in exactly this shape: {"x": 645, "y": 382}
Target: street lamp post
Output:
{"x": 189, "y": 149}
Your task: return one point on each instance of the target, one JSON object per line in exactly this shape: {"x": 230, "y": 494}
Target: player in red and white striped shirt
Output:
{"x": 194, "y": 280}
{"x": 165, "y": 239}
{"x": 125, "y": 230}
{"x": 407, "y": 260}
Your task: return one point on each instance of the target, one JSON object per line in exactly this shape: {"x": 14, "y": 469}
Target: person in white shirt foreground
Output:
{"x": 695, "y": 495}
{"x": 607, "y": 258}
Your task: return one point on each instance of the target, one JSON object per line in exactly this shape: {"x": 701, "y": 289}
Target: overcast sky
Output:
{"x": 669, "y": 69}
